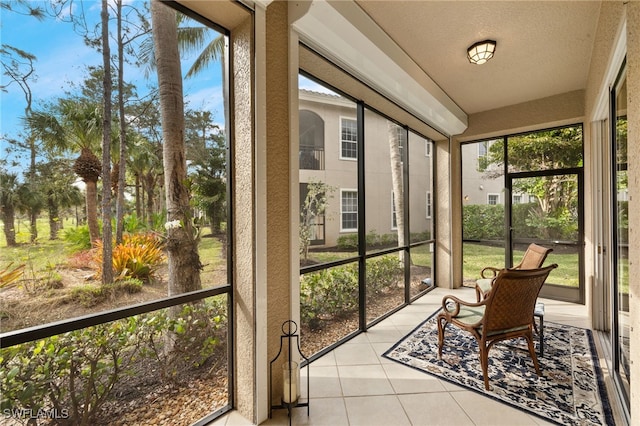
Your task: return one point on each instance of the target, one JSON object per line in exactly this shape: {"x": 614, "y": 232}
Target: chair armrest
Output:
{"x": 455, "y": 303}
{"x": 490, "y": 269}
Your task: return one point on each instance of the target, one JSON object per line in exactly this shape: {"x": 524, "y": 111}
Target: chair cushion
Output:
{"x": 484, "y": 284}
{"x": 507, "y": 330}
{"x": 470, "y": 315}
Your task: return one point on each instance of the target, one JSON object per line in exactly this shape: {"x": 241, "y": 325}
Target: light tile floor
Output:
{"x": 354, "y": 385}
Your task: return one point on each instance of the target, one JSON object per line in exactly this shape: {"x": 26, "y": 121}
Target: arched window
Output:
{"x": 311, "y": 141}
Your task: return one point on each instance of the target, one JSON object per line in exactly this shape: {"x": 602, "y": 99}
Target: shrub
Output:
{"x": 81, "y": 259}
{"x": 383, "y": 273}
{"x": 78, "y": 237}
{"x": 138, "y": 256}
{"x": 334, "y": 292}
{"x": 75, "y": 373}
{"x": 348, "y": 242}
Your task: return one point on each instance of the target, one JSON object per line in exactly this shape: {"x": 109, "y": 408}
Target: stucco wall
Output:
{"x": 278, "y": 178}
{"x": 243, "y": 206}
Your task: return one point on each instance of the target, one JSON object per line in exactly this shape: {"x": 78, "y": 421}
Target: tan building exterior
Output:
{"x": 328, "y": 154}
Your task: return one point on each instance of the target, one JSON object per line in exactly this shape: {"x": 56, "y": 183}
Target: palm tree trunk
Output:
{"x": 396, "y": 177}
{"x": 183, "y": 259}
{"x": 54, "y": 219}
{"x": 9, "y": 221}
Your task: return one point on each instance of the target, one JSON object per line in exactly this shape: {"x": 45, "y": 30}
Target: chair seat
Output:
{"x": 484, "y": 284}
{"x": 470, "y": 315}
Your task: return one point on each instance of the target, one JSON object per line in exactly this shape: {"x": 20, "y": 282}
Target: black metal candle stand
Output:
{"x": 289, "y": 332}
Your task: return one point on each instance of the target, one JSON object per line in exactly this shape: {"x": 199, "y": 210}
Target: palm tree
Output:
{"x": 59, "y": 191}
{"x": 395, "y": 145}
{"x": 182, "y": 246}
{"x": 75, "y": 125}
{"x": 8, "y": 204}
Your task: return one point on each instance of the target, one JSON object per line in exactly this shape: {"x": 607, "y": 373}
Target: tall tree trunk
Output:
{"x": 92, "y": 209}
{"x": 123, "y": 130}
{"x": 54, "y": 219}
{"x": 9, "y": 221}
{"x": 150, "y": 188}
{"x": 137, "y": 197}
{"x": 107, "y": 244}
{"x": 182, "y": 248}
{"x": 396, "y": 178}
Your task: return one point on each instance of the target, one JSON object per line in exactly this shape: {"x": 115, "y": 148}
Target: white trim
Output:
{"x": 340, "y": 156}
{"x": 489, "y": 194}
{"x": 342, "y": 191}
{"x": 344, "y": 33}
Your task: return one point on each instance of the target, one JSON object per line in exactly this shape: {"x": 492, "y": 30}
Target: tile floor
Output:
{"x": 354, "y": 385}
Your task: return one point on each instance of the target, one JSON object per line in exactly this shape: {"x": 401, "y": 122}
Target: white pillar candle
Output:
{"x": 290, "y": 382}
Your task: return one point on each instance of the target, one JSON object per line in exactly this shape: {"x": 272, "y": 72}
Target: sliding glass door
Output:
{"x": 620, "y": 234}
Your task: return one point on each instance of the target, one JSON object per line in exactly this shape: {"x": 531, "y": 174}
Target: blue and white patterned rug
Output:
{"x": 570, "y": 392}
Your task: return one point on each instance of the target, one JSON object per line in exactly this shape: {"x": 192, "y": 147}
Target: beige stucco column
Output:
{"x": 278, "y": 177}
{"x": 448, "y": 246}
{"x": 633, "y": 156}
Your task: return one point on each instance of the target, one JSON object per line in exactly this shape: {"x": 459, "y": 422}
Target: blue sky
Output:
{"x": 62, "y": 57}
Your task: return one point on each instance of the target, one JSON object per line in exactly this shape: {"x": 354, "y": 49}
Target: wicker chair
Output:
{"x": 506, "y": 313}
{"x": 533, "y": 258}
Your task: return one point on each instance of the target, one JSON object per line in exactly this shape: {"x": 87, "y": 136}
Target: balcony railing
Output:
{"x": 311, "y": 158}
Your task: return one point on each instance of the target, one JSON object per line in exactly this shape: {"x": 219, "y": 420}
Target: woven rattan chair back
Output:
{"x": 534, "y": 257}
{"x": 512, "y": 299}
{"x": 506, "y": 313}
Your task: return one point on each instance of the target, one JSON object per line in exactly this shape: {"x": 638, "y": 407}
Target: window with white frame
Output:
{"x": 348, "y": 210}
{"x": 517, "y": 199}
{"x": 429, "y": 205}
{"x": 493, "y": 199}
{"x": 348, "y": 138}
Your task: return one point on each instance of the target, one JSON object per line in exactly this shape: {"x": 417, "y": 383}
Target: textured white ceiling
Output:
{"x": 543, "y": 47}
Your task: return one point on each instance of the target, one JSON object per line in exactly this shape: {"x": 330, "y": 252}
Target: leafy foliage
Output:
{"x": 9, "y": 275}
{"x": 76, "y": 372}
{"x": 334, "y": 292}
{"x": 78, "y": 237}
{"x": 138, "y": 256}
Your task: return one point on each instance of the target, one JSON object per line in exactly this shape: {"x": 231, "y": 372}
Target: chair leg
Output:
{"x": 442, "y": 323}
{"x": 478, "y": 294}
{"x": 532, "y": 352}
{"x": 484, "y": 363}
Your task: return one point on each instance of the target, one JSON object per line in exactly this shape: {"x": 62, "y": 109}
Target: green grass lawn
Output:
{"x": 476, "y": 256}
{"x": 45, "y": 255}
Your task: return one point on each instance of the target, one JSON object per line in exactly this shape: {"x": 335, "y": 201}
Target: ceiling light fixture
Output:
{"x": 481, "y": 52}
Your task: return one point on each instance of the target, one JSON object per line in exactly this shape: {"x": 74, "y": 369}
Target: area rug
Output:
{"x": 570, "y": 392}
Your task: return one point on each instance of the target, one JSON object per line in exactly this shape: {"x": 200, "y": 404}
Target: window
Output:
{"x": 123, "y": 333}
{"x": 349, "y": 139}
{"x": 517, "y": 199}
{"x": 483, "y": 149}
{"x": 493, "y": 199}
{"x": 348, "y": 210}
{"x": 429, "y": 205}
